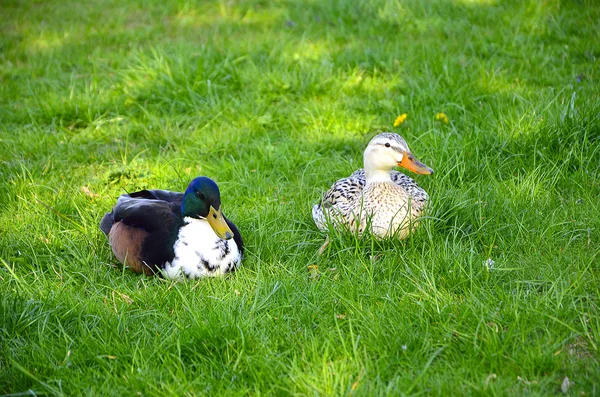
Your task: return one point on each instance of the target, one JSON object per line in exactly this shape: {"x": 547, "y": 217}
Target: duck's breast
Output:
{"x": 199, "y": 252}
{"x": 388, "y": 210}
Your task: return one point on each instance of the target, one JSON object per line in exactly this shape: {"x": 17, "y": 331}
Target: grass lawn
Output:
{"x": 275, "y": 100}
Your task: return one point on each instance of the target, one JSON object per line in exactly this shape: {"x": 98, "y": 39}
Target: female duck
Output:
{"x": 174, "y": 234}
{"x": 376, "y": 198}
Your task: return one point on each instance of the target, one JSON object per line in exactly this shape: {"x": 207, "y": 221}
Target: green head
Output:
{"x": 202, "y": 200}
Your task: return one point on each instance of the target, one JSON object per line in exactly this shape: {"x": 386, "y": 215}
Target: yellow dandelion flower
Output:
{"x": 313, "y": 271}
{"x": 400, "y": 119}
{"x": 442, "y": 117}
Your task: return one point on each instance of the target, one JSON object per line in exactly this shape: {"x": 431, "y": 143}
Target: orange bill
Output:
{"x": 411, "y": 163}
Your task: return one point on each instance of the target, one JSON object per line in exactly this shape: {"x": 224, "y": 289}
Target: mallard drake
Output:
{"x": 377, "y": 198}
{"x": 174, "y": 234}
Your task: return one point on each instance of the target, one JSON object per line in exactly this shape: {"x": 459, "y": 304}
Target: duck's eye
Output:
{"x": 200, "y": 195}
{"x": 387, "y": 144}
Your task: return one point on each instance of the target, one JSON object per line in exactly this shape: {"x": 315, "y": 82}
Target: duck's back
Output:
{"x": 149, "y": 209}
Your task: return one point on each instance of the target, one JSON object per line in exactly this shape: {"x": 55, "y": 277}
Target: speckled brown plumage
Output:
{"x": 383, "y": 205}
{"x": 389, "y": 204}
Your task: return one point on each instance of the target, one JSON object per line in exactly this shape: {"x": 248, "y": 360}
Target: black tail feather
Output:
{"x": 107, "y": 222}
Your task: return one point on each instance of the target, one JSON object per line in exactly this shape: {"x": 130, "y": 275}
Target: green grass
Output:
{"x": 275, "y": 100}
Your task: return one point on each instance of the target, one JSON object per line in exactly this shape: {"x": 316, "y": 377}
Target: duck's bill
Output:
{"x": 217, "y": 222}
{"x": 411, "y": 163}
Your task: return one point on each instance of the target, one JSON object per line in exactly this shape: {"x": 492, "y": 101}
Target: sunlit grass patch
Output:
{"x": 496, "y": 292}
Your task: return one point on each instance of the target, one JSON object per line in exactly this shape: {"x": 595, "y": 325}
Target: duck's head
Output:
{"x": 202, "y": 200}
{"x": 388, "y": 150}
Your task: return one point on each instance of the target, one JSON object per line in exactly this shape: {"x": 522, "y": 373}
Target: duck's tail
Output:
{"x": 319, "y": 217}
{"x": 107, "y": 222}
